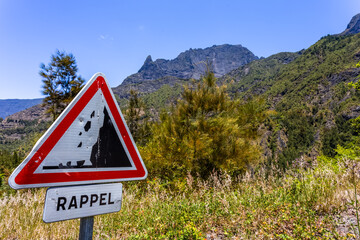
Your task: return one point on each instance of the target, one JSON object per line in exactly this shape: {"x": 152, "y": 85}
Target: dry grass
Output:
{"x": 301, "y": 205}
{"x": 21, "y": 216}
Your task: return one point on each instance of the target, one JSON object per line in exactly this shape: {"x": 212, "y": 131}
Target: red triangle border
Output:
{"x": 24, "y": 176}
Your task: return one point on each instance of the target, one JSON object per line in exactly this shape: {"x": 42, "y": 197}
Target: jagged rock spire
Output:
{"x": 353, "y": 27}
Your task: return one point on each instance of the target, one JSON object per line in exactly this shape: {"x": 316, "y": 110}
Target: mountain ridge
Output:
{"x": 192, "y": 63}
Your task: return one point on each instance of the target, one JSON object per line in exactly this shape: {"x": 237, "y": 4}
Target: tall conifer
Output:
{"x": 60, "y": 82}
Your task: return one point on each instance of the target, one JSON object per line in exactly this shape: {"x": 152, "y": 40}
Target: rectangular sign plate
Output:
{"x": 63, "y": 203}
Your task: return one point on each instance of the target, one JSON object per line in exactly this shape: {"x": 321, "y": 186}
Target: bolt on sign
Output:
{"x": 89, "y": 143}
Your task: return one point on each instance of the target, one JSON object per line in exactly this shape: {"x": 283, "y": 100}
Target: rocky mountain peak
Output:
{"x": 192, "y": 63}
{"x": 147, "y": 64}
{"x": 148, "y": 60}
{"x": 353, "y": 27}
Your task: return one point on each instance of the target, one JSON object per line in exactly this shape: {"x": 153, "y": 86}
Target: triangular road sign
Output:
{"x": 88, "y": 143}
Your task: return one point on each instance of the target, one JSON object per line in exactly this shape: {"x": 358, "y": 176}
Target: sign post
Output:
{"x": 86, "y": 228}
{"x": 88, "y": 145}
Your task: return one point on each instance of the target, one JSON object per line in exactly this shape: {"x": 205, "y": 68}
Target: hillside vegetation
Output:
{"x": 304, "y": 204}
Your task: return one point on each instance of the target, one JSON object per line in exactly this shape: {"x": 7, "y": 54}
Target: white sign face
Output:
{"x": 78, "y": 150}
{"x": 64, "y": 203}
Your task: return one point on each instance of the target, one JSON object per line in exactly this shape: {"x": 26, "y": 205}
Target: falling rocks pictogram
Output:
{"x": 108, "y": 150}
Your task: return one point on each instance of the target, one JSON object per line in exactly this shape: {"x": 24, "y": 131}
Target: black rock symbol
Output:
{"x": 80, "y": 163}
{"x": 108, "y": 150}
{"x": 87, "y": 126}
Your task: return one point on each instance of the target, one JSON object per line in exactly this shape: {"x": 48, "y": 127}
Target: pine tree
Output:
{"x": 137, "y": 119}
{"x": 206, "y": 131}
{"x": 60, "y": 82}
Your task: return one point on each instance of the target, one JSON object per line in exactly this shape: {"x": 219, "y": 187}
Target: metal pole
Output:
{"x": 86, "y": 228}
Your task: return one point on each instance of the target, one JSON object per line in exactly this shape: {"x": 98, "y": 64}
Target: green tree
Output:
{"x": 205, "y": 131}
{"x": 355, "y": 85}
{"x": 137, "y": 119}
{"x": 60, "y": 82}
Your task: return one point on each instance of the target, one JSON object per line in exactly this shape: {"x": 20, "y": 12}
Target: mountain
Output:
{"x": 353, "y": 27}
{"x": 10, "y": 106}
{"x": 307, "y": 90}
{"x": 189, "y": 64}
{"x": 192, "y": 63}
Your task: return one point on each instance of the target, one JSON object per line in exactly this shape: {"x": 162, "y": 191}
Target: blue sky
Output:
{"x": 115, "y": 37}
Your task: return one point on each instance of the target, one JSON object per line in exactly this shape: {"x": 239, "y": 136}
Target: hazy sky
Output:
{"x": 115, "y": 37}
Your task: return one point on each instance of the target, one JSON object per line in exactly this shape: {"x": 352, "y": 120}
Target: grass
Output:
{"x": 303, "y": 204}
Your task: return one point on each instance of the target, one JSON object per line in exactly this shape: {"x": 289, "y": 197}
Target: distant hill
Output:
{"x": 19, "y": 129}
{"x": 189, "y": 64}
{"x": 244, "y": 77}
{"x": 10, "y": 106}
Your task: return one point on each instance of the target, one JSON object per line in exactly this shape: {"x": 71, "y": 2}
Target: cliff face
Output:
{"x": 192, "y": 63}
{"x": 189, "y": 64}
{"x": 353, "y": 27}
